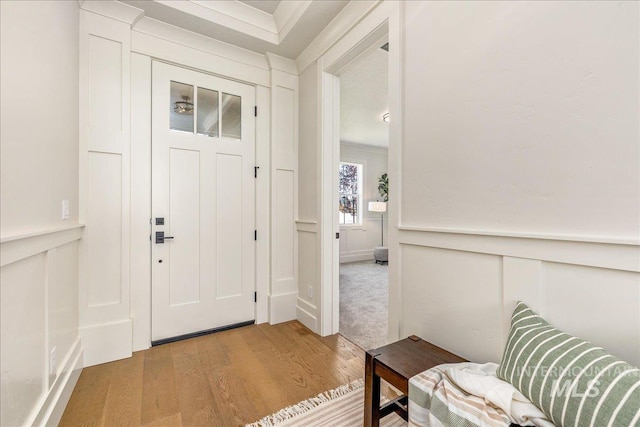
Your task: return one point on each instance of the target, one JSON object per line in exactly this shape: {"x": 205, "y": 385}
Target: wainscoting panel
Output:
{"x": 24, "y": 367}
{"x": 284, "y": 232}
{"x": 357, "y": 242}
{"x": 604, "y": 308}
{"x": 104, "y": 236}
{"x": 285, "y": 118}
{"x": 308, "y": 300}
{"x": 105, "y": 93}
{"x": 460, "y": 289}
{"x": 284, "y": 194}
{"x": 308, "y": 247}
{"x": 454, "y": 299}
{"x": 39, "y": 315}
{"x": 105, "y": 75}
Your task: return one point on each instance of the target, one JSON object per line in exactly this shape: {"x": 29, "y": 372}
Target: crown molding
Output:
{"x": 230, "y": 14}
{"x": 348, "y": 17}
{"x": 287, "y": 14}
{"x": 277, "y": 62}
{"x": 162, "y": 30}
{"x": 243, "y": 18}
{"x": 113, "y": 9}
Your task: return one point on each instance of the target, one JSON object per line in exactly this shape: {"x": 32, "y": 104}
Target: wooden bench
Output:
{"x": 396, "y": 363}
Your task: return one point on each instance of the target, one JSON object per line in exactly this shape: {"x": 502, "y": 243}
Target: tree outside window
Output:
{"x": 350, "y": 209}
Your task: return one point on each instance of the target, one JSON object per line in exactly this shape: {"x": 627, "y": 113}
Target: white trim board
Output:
{"x": 378, "y": 22}
{"x": 354, "y": 256}
{"x": 51, "y": 408}
{"x": 16, "y": 248}
{"x": 348, "y": 17}
{"x": 106, "y": 342}
{"x": 603, "y": 255}
{"x": 282, "y": 307}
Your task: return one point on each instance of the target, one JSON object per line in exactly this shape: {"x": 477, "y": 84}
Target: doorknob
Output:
{"x": 160, "y": 237}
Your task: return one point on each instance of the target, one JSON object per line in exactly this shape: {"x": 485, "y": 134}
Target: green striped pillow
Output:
{"x": 572, "y": 381}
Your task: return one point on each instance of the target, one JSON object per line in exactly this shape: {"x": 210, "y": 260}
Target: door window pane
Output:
{"x": 207, "y": 112}
{"x": 231, "y": 116}
{"x": 181, "y": 107}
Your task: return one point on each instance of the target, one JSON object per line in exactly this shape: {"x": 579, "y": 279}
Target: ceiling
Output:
{"x": 364, "y": 98}
{"x": 284, "y": 28}
{"x": 268, "y": 6}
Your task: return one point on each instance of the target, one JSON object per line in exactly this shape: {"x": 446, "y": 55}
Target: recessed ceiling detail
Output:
{"x": 239, "y": 16}
{"x": 268, "y": 6}
{"x": 281, "y": 27}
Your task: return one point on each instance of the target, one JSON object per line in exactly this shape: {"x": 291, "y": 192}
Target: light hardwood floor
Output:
{"x": 225, "y": 379}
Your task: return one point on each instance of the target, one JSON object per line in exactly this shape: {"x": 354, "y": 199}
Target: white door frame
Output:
{"x": 141, "y": 188}
{"x": 204, "y": 309}
{"x": 384, "y": 20}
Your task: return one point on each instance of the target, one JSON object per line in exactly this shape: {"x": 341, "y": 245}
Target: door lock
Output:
{"x": 160, "y": 237}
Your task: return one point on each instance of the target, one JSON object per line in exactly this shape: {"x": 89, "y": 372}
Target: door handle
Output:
{"x": 160, "y": 237}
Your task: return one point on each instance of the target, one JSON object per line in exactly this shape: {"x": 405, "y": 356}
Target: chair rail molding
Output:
{"x": 17, "y": 247}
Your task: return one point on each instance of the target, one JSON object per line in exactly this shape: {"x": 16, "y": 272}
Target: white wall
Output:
{"x": 39, "y": 250}
{"x": 39, "y": 132}
{"x": 283, "y": 292}
{"x": 308, "y": 201}
{"x": 357, "y": 242}
{"x": 308, "y": 150}
{"x": 105, "y": 165}
{"x": 520, "y": 171}
{"x": 522, "y": 117}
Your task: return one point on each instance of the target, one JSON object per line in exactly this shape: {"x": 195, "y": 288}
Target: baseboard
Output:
{"x": 49, "y": 412}
{"x": 282, "y": 308}
{"x": 354, "y": 256}
{"x": 306, "y": 318}
{"x": 107, "y": 342}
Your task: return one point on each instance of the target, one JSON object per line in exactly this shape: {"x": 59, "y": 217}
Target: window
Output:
{"x": 216, "y": 113}
{"x": 350, "y": 210}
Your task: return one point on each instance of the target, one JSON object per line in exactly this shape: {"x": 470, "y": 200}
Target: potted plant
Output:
{"x": 383, "y": 187}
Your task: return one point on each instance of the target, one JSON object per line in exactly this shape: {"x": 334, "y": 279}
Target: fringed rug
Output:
{"x": 340, "y": 407}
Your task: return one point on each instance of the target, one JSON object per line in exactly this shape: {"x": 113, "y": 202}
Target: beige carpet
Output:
{"x": 364, "y": 312}
{"x": 341, "y": 407}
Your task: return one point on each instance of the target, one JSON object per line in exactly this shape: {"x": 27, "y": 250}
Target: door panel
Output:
{"x": 229, "y": 181}
{"x": 203, "y": 186}
{"x": 184, "y": 213}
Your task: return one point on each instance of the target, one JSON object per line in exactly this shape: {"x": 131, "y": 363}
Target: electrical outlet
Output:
{"x": 310, "y": 291}
{"x": 52, "y": 361}
{"x": 65, "y": 209}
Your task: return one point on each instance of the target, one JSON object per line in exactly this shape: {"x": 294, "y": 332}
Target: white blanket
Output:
{"x": 472, "y": 395}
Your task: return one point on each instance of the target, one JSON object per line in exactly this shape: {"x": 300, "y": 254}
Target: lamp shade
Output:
{"x": 377, "y": 206}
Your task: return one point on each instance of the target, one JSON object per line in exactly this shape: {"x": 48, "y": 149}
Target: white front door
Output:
{"x": 203, "y": 132}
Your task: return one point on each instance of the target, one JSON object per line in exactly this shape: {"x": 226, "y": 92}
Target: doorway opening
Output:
{"x": 363, "y": 197}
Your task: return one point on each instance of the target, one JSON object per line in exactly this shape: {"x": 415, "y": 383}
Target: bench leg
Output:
{"x": 371, "y": 393}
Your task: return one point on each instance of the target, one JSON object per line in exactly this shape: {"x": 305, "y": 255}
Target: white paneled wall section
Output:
{"x": 41, "y": 353}
{"x": 105, "y": 324}
{"x": 284, "y": 183}
{"x": 471, "y": 283}
{"x": 117, "y": 46}
{"x": 308, "y": 202}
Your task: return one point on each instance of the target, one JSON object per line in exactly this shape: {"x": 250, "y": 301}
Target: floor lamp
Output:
{"x": 382, "y": 208}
